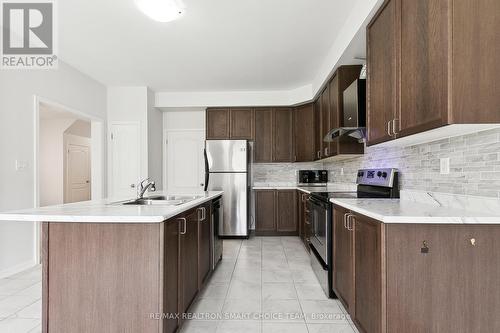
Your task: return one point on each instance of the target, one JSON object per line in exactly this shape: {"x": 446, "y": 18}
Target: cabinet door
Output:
{"x": 189, "y": 258}
{"x": 424, "y": 65}
{"x": 450, "y": 279}
{"x": 381, "y": 73}
{"x": 304, "y": 133}
{"x": 263, "y": 147}
{"x": 171, "y": 274}
{"x": 325, "y": 121}
{"x": 343, "y": 260}
{"x": 217, "y": 123}
{"x": 317, "y": 129}
{"x": 204, "y": 248}
{"x": 334, "y": 112}
{"x": 476, "y": 46}
{"x": 286, "y": 215}
{"x": 242, "y": 122}
{"x": 283, "y": 135}
{"x": 368, "y": 274}
{"x": 265, "y": 212}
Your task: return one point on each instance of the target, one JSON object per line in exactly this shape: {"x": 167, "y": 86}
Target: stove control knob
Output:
{"x": 384, "y": 174}
{"x": 360, "y": 174}
{"x": 379, "y": 174}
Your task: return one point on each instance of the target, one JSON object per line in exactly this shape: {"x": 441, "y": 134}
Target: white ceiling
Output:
{"x": 219, "y": 45}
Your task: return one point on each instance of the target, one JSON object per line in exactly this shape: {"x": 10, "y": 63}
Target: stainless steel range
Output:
{"x": 372, "y": 183}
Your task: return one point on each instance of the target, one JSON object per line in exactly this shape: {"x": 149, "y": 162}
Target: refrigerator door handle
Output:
{"x": 207, "y": 174}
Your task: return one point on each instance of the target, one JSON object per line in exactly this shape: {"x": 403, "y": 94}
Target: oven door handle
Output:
{"x": 318, "y": 257}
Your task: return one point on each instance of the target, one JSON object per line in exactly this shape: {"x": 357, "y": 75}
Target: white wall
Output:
{"x": 183, "y": 118}
{"x": 155, "y": 141}
{"x": 66, "y": 86}
{"x": 51, "y": 149}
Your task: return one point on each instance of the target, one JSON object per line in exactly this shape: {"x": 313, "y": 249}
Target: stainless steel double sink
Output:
{"x": 161, "y": 200}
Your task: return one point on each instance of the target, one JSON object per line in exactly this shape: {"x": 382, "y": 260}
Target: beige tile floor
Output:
{"x": 266, "y": 285}
{"x": 262, "y": 285}
{"x": 21, "y": 302}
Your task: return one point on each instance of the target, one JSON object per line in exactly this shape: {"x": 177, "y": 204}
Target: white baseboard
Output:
{"x": 17, "y": 268}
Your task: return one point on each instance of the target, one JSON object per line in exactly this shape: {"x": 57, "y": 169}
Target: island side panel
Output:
{"x": 101, "y": 277}
{"x": 449, "y": 284}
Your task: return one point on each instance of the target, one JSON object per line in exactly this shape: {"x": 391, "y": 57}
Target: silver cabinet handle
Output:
{"x": 394, "y": 126}
{"x": 199, "y": 211}
{"x": 184, "y": 225}
{"x": 389, "y": 124}
{"x": 345, "y": 220}
{"x": 326, "y": 151}
{"x": 319, "y": 153}
{"x": 349, "y": 225}
{"x": 204, "y": 210}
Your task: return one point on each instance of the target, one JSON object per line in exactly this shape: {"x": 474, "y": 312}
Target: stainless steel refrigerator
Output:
{"x": 227, "y": 168}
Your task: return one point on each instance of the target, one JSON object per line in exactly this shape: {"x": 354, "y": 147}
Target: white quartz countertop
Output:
{"x": 406, "y": 211}
{"x": 107, "y": 211}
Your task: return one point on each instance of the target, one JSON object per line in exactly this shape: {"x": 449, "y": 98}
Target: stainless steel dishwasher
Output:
{"x": 217, "y": 220}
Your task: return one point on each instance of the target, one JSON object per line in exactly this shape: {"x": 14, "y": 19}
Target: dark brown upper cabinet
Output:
{"x": 242, "y": 122}
{"x": 381, "y": 92}
{"x": 230, "y": 123}
{"x": 263, "y": 145}
{"x": 430, "y": 64}
{"x": 217, "y": 123}
{"x": 318, "y": 140}
{"x": 305, "y": 150}
{"x": 274, "y": 138}
{"x": 423, "y": 66}
{"x": 283, "y": 140}
{"x": 343, "y": 78}
{"x": 325, "y": 121}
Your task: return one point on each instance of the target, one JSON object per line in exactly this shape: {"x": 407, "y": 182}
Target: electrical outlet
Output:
{"x": 445, "y": 166}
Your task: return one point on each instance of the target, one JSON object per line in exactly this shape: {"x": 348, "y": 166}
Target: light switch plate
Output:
{"x": 445, "y": 166}
{"x": 21, "y": 165}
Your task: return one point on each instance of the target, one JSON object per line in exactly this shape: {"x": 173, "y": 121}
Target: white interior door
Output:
{"x": 125, "y": 159}
{"x": 185, "y": 162}
{"x": 77, "y": 168}
{"x": 77, "y": 172}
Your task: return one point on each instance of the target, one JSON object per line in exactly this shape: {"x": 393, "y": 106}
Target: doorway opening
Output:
{"x": 68, "y": 157}
{"x": 65, "y": 158}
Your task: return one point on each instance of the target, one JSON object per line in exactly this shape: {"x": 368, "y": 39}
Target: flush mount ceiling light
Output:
{"x": 161, "y": 10}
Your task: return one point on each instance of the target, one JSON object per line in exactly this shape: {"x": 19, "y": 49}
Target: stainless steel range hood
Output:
{"x": 354, "y": 118}
{"x": 358, "y": 133}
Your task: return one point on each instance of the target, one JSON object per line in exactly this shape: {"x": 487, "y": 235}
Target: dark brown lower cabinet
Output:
{"x": 417, "y": 278}
{"x": 204, "y": 244}
{"x": 304, "y": 219}
{"x": 189, "y": 258}
{"x": 286, "y": 211}
{"x": 367, "y": 273}
{"x": 171, "y": 275}
{"x": 343, "y": 260}
{"x": 276, "y": 213}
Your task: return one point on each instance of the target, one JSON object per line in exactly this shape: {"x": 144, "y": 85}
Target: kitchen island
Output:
{"x": 110, "y": 267}
{"x": 415, "y": 267}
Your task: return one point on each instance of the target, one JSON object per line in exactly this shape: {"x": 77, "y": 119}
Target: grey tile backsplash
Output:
{"x": 474, "y": 165}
